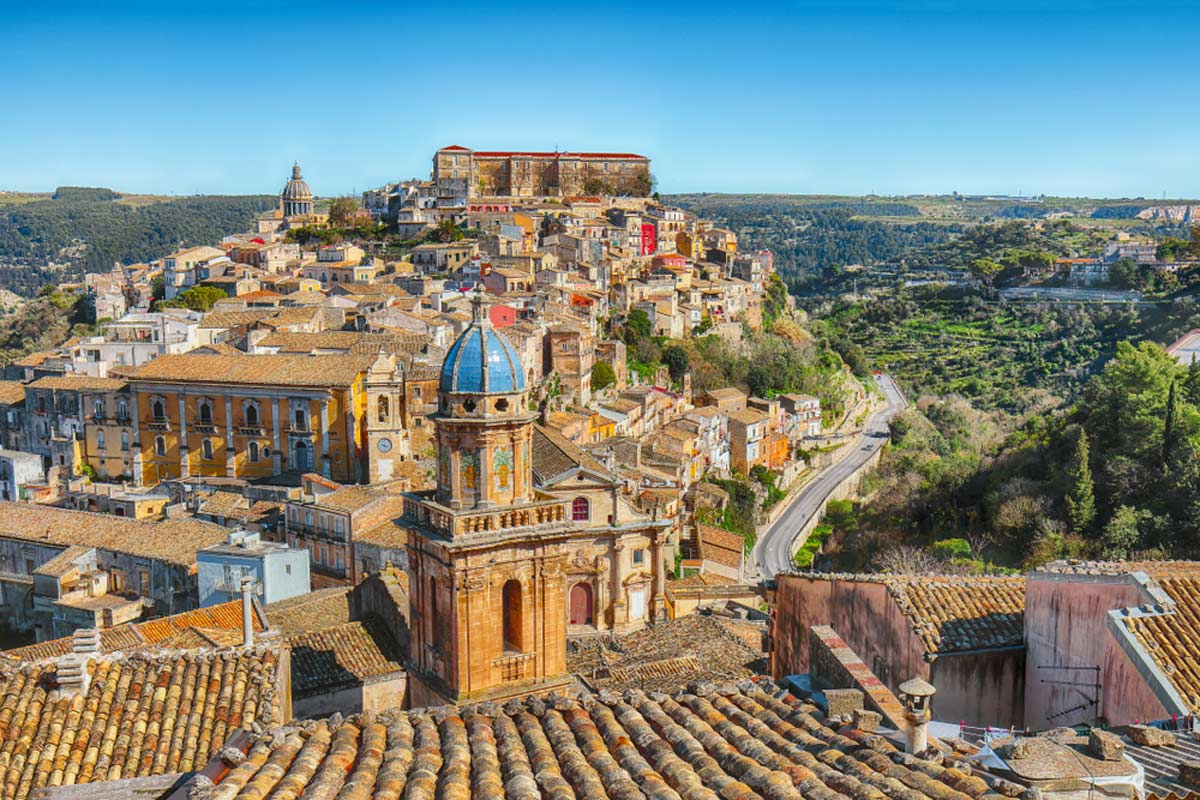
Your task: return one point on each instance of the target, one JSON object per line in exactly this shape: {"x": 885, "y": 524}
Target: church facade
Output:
{"x": 524, "y": 542}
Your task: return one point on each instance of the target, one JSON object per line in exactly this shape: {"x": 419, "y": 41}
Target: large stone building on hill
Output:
{"x": 460, "y": 173}
{"x": 525, "y": 541}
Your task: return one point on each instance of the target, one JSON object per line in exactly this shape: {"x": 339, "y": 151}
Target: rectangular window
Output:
{"x": 639, "y": 556}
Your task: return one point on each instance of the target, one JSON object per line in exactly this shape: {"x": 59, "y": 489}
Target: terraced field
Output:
{"x": 993, "y": 353}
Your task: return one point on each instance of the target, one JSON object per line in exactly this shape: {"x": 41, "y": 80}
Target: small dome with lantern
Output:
{"x": 482, "y": 361}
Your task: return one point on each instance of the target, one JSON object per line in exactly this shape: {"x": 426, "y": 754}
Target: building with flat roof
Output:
{"x": 278, "y": 571}
{"x": 461, "y": 174}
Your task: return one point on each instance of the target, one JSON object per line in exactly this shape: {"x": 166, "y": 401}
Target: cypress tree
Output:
{"x": 1170, "y": 426}
{"x": 1081, "y": 501}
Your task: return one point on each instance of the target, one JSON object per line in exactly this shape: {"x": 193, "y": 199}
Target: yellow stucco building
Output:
{"x": 250, "y": 416}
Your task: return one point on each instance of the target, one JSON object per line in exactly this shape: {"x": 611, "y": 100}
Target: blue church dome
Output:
{"x": 482, "y": 361}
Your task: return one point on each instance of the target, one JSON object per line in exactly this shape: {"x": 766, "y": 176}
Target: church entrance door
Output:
{"x": 581, "y": 604}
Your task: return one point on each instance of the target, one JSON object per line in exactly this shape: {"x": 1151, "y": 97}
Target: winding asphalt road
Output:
{"x": 773, "y": 551}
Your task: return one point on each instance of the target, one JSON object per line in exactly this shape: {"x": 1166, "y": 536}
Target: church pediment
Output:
{"x": 639, "y": 578}
{"x": 591, "y": 480}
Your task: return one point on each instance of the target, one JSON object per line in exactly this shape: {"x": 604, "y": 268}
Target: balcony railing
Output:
{"x": 204, "y": 427}
{"x": 513, "y": 666}
{"x": 552, "y": 511}
{"x": 158, "y": 424}
{"x": 249, "y": 430}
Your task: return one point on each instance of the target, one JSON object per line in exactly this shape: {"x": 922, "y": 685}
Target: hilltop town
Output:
{"x": 510, "y": 482}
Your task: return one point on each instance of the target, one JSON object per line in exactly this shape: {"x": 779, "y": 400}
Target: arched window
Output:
{"x": 206, "y": 412}
{"x": 581, "y": 509}
{"x": 98, "y": 407}
{"x": 206, "y": 448}
{"x": 252, "y": 452}
{"x": 122, "y": 409}
{"x": 160, "y": 446}
{"x": 383, "y": 409}
{"x": 125, "y": 440}
{"x": 101, "y": 442}
{"x": 252, "y": 414}
{"x": 159, "y": 409}
{"x": 513, "y": 628}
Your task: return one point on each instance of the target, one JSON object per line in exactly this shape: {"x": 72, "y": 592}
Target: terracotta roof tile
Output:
{"x": 154, "y": 632}
{"x": 657, "y": 657}
{"x": 78, "y": 383}
{"x": 344, "y": 655}
{"x": 720, "y": 546}
{"x": 310, "y": 612}
{"x": 11, "y": 392}
{"x": 952, "y": 613}
{"x": 553, "y": 454}
{"x": 140, "y": 716}
{"x": 175, "y": 540}
{"x": 1172, "y": 639}
{"x": 753, "y": 742}
{"x": 257, "y": 370}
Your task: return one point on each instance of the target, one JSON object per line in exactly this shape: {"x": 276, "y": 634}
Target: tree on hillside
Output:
{"x": 603, "y": 376}
{"x": 985, "y": 270}
{"x": 676, "y": 359}
{"x": 1120, "y": 534}
{"x": 1081, "y": 501}
{"x": 1170, "y": 427}
{"x": 1126, "y": 403}
{"x": 1126, "y": 273}
{"x": 1191, "y": 383}
{"x": 446, "y": 231}
{"x": 197, "y": 298}
{"x": 637, "y": 326}
{"x": 342, "y": 212}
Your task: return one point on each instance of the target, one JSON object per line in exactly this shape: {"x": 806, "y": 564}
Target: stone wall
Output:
{"x": 835, "y": 665}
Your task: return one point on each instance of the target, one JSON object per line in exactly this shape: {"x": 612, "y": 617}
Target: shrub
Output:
{"x": 950, "y": 549}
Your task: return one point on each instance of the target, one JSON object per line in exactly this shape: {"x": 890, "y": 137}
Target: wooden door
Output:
{"x": 581, "y": 604}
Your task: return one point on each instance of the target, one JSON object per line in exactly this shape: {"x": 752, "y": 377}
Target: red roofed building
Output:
{"x": 461, "y": 174}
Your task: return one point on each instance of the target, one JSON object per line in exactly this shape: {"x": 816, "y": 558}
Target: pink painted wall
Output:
{"x": 1066, "y": 623}
{"x": 983, "y": 689}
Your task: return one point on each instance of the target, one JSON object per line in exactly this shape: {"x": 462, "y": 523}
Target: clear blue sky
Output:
{"x": 840, "y": 97}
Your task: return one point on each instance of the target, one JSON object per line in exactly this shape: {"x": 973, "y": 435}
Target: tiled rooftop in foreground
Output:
{"x": 140, "y": 716}
{"x": 708, "y": 743}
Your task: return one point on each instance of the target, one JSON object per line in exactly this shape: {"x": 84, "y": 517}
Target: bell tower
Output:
{"x": 387, "y": 437}
{"x": 487, "y": 554}
{"x": 484, "y": 426}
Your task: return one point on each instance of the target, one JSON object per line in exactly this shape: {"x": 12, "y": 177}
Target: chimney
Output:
{"x": 72, "y": 670}
{"x": 247, "y": 611}
{"x": 916, "y": 695}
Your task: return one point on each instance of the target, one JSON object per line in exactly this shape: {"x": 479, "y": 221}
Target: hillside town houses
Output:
{"x": 418, "y": 517}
